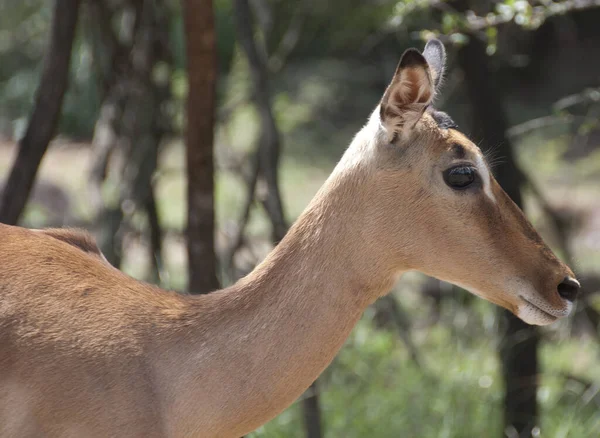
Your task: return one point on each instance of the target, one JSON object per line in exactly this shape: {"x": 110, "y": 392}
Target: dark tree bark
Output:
{"x": 518, "y": 351}
{"x": 202, "y": 76}
{"x": 46, "y": 113}
{"x": 155, "y": 238}
{"x": 269, "y": 150}
{"x": 312, "y": 412}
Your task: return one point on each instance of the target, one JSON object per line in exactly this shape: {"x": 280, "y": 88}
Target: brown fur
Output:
{"x": 78, "y": 238}
{"x": 88, "y": 351}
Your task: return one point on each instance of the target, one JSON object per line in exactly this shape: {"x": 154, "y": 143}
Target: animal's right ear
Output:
{"x": 408, "y": 95}
{"x": 412, "y": 88}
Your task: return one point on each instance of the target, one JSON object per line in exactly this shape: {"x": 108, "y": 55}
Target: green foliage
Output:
{"x": 481, "y": 18}
{"x": 374, "y": 389}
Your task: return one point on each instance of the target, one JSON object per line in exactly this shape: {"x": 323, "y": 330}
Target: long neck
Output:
{"x": 267, "y": 338}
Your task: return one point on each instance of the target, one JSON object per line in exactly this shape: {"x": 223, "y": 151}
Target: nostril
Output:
{"x": 568, "y": 288}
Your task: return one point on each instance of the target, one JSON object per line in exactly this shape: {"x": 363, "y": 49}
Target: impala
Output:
{"x": 86, "y": 351}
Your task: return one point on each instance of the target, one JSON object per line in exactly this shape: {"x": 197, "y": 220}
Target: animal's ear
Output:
{"x": 435, "y": 55}
{"x": 412, "y": 89}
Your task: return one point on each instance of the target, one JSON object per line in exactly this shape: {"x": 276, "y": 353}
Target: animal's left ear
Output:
{"x": 435, "y": 55}
{"x": 412, "y": 88}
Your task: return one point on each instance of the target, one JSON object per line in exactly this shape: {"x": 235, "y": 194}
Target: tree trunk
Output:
{"x": 518, "y": 351}
{"x": 46, "y": 112}
{"x": 202, "y": 76}
{"x": 312, "y": 412}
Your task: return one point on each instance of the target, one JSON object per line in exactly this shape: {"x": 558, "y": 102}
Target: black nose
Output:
{"x": 568, "y": 288}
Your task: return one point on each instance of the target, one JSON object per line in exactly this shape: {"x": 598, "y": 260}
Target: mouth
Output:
{"x": 534, "y": 314}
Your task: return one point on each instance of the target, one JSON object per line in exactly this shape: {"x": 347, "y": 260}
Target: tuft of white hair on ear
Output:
{"x": 435, "y": 54}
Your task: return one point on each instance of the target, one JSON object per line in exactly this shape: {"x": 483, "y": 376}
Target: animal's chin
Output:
{"x": 533, "y": 315}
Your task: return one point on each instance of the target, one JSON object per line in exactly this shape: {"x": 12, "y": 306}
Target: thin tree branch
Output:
{"x": 289, "y": 40}
{"x": 156, "y": 253}
{"x": 536, "y": 124}
{"x": 542, "y": 13}
{"x": 389, "y": 313}
{"x": 270, "y": 143}
{"x": 238, "y": 239}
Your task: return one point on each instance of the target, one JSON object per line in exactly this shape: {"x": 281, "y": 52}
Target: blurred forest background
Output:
{"x": 187, "y": 135}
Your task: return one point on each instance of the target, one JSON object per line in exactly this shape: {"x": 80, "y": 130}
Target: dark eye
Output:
{"x": 460, "y": 177}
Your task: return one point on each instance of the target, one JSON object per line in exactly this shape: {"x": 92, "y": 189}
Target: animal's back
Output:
{"x": 75, "y": 341}
{"x": 52, "y": 291}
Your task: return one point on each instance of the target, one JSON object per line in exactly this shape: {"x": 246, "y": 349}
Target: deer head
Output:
{"x": 434, "y": 205}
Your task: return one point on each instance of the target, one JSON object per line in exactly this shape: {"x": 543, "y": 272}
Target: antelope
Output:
{"x": 86, "y": 351}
